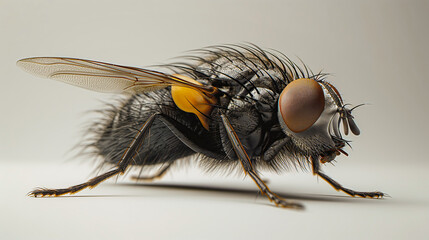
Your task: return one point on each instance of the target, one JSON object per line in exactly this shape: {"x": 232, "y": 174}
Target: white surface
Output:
{"x": 377, "y": 52}
{"x": 189, "y": 205}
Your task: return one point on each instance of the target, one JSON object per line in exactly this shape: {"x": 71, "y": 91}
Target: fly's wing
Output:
{"x": 104, "y": 77}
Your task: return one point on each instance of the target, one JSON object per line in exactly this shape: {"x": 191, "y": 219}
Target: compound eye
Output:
{"x": 301, "y": 103}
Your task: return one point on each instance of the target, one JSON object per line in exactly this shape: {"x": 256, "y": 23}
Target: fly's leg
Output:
{"x": 122, "y": 166}
{"x": 248, "y": 168}
{"x": 338, "y": 187}
{"x": 158, "y": 175}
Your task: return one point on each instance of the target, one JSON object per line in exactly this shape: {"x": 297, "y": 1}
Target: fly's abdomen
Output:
{"x": 114, "y": 134}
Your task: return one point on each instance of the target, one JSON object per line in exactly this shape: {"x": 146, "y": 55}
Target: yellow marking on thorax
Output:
{"x": 193, "y": 101}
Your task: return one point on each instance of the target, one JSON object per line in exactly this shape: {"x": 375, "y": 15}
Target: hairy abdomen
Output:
{"x": 114, "y": 134}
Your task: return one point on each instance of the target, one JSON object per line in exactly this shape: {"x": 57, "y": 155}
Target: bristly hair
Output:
{"x": 245, "y": 58}
{"x": 237, "y": 67}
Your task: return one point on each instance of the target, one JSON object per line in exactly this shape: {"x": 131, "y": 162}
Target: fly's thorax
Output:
{"x": 310, "y": 130}
{"x": 257, "y": 105}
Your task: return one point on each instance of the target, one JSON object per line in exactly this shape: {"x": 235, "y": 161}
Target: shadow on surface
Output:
{"x": 239, "y": 191}
{"x": 215, "y": 190}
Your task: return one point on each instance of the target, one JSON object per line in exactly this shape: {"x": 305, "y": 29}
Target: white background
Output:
{"x": 376, "y": 51}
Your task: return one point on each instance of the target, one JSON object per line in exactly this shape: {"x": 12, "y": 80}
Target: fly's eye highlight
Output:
{"x": 301, "y": 103}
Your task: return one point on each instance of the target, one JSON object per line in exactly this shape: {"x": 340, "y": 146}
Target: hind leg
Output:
{"x": 157, "y": 175}
{"x": 121, "y": 167}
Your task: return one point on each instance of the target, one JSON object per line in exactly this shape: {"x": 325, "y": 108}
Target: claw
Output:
{"x": 280, "y": 202}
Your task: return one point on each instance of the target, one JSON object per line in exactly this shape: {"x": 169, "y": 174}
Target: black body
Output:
{"x": 242, "y": 84}
{"x": 252, "y": 81}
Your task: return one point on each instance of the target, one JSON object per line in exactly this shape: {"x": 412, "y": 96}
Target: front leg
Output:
{"x": 337, "y": 186}
{"x": 248, "y": 168}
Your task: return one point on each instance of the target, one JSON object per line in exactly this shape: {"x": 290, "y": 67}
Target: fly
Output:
{"x": 233, "y": 105}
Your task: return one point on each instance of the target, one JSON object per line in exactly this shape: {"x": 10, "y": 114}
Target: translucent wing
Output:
{"x": 103, "y": 77}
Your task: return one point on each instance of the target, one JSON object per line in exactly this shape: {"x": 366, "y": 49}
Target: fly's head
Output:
{"x": 311, "y": 112}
